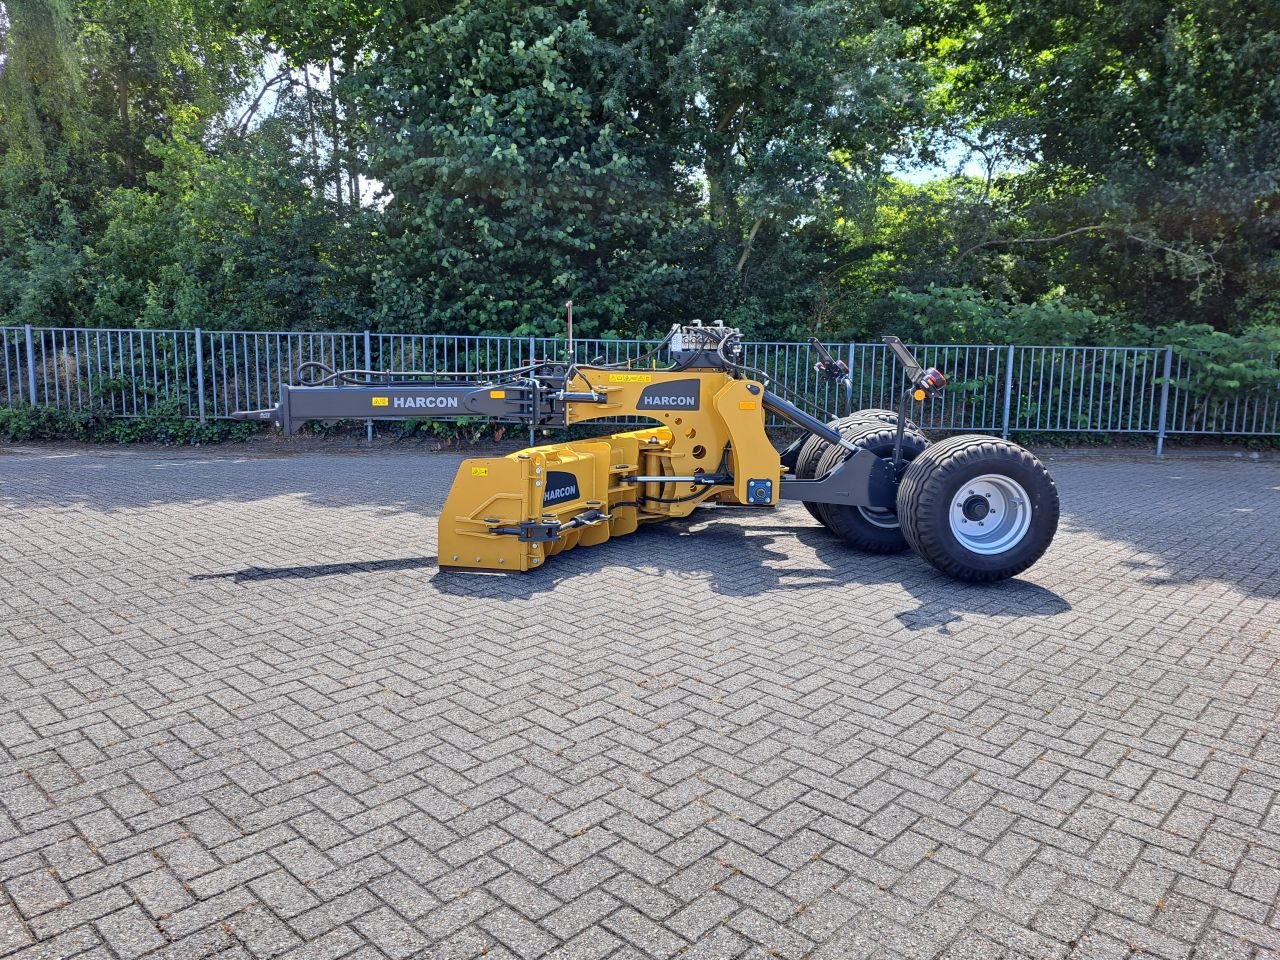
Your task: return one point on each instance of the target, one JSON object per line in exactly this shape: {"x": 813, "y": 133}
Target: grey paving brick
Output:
{"x": 643, "y": 933}
{"x": 391, "y": 934}
{"x": 581, "y": 913}
{"x": 160, "y": 893}
{"x": 188, "y": 859}
{"x": 206, "y": 913}
{"x": 81, "y": 911}
{"x": 338, "y": 942}
{"x": 248, "y": 718}
{"x": 334, "y": 913}
{"x": 74, "y": 943}
{"x": 36, "y": 892}
{"x": 519, "y": 935}
{"x": 130, "y": 933}
{"x": 282, "y": 894}
{"x": 262, "y": 934}
{"x": 70, "y": 858}
{"x": 13, "y": 932}
{"x": 591, "y": 944}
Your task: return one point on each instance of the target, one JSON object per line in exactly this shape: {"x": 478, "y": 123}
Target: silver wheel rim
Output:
{"x": 885, "y": 519}
{"x": 990, "y": 514}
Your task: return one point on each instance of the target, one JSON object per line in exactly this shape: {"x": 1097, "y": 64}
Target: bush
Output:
{"x": 1217, "y": 364}
{"x": 965, "y": 315}
{"x": 165, "y": 424}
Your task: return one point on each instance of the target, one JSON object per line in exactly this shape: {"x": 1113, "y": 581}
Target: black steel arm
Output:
{"x": 860, "y": 480}
{"x": 792, "y": 414}
{"x": 523, "y": 400}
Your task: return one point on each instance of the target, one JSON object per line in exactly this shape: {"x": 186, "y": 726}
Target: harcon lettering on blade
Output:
{"x": 562, "y": 487}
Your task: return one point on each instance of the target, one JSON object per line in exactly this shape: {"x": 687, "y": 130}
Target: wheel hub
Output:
{"x": 990, "y": 514}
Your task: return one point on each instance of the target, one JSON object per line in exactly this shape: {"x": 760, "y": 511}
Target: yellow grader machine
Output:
{"x": 975, "y": 507}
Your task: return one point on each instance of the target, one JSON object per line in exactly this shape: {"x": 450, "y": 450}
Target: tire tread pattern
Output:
{"x": 847, "y": 522}
{"x": 815, "y": 447}
{"x": 922, "y": 485}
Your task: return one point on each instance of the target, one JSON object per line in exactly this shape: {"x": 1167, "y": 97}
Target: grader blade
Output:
{"x": 513, "y": 512}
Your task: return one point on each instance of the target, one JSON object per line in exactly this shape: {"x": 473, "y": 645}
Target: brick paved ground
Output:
{"x": 242, "y": 714}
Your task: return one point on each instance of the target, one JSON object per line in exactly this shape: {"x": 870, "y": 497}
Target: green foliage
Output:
{"x": 227, "y": 242}
{"x": 648, "y": 161}
{"x": 964, "y": 315}
{"x": 1112, "y": 169}
{"x": 518, "y": 179}
{"x": 40, "y": 78}
{"x": 165, "y": 424}
{"x": 788, "y": 111}
{"x": 461, "y": 433}
{"x": 1139, "y": 143}
{"x": 1221, "y": 367}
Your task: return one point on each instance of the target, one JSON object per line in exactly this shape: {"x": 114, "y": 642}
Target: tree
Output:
{"x": 231, "y": 241}
{"x": 517, "y": 172}
{"x": 788, "y": 110}
{"x": 1147, "y": 133}
{"x": 649, "y": 160}
{"x": 83, "y": 88}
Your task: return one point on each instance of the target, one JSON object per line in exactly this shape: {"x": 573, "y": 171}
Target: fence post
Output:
{"x": 1164, "y": 401}
{"x": 31, "y": 368}
{"x": 1008, "y": 393}
{"x": 200, "y": 372}
{"x": 532, "y": 349}
{"x": 368, "y": 365}
{"x": 849, "y": 381}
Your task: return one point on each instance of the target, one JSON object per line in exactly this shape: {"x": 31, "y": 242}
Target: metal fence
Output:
{"x": 994, "y": 389}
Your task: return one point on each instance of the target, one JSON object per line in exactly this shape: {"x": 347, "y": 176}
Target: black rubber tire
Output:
{"x": 867, "y": 529}
{"x": 928, "y": 489}
{"x": 815, "y": 446}
{"x": 813, "y": 449}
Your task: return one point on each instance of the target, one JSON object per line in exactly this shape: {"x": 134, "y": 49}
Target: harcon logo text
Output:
{"x": 656, "y": 401}
{"x": 420, "y": 403}
{"x": 673, "y": 395}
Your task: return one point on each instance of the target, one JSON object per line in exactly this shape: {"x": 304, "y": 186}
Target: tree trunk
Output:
{"x": 722, "y": 204}
{"x": 353, "y": 154}
{"x": 746, "y": 248}
{"x": 126, "y": 131}
{"x": 335, "y": 137}
{"x": 317, "y": 176}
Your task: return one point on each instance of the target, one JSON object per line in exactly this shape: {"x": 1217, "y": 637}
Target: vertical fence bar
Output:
{"x": 848, "y": 383}
{"x": 1164, "y": 400}
{"x": 31, "y": 367}
{"x": 532, "y": 348}
{"x": 1008, "y": 393}
{"x": 368, "y": 365}
{"x": 200, "y": 372}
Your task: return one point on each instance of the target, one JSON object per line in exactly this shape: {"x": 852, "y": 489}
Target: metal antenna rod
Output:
{"x": 569, "y": 307}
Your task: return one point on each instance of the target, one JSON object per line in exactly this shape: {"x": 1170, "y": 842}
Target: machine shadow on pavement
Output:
{"x": 250, "y": 574}
{"x": 733, "y": 559}
{"x": 736, "y": 559}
